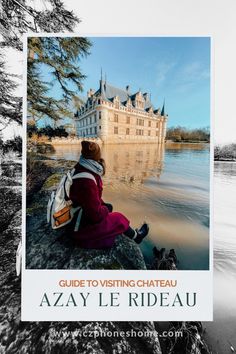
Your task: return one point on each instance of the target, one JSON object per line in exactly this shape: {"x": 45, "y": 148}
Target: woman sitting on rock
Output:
{"x": 99, "y": 225}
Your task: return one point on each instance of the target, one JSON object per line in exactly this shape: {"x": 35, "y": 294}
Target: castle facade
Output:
{"x": 115, "y": 115}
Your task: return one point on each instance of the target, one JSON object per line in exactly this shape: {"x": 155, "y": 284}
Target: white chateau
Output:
{"x": 115, "y": 115}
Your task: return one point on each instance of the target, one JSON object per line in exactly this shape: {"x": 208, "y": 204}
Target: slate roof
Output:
{"x": 148, "y": 104}
{"x": 109, "y": 92}
{"x": 163, "y": 109}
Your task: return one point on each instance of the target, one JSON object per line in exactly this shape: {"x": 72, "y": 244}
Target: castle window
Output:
{"x": 116, "y": 118}
{"x": 156, "y": 124}
{"x": 90, "y": 120}
{"x": 156, "y": 133}
{"x": 128, "y": 120}
{"x": 139, "y": 131}
{"x": 149, "y": 132}
{"x": 100, "y": 114}
{"x": 99, "y": 101}
{"x": 140, "y": 122}
{"x": 127, "y": 131}
{"x": 149, "y": 123}
{"x": 95, "y": 130}
{"x": 95, "y": 118}
{"x": 115, "y": 130}
{"x": 100, "y": 127}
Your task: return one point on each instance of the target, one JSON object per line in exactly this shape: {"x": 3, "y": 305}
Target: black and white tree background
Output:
{"x": 18, "y": 17}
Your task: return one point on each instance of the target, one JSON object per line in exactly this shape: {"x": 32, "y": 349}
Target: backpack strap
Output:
{"x": 77, "y": 224}
{"x": 85, "y": 175}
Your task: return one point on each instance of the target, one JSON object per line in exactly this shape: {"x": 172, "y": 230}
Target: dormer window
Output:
{"x": 116, "y": 102}
{"x": 139, "y": 100}
{"x": 129, "y": 103}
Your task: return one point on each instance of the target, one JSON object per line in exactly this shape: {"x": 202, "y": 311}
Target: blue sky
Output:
{"x": 176, "y": 69}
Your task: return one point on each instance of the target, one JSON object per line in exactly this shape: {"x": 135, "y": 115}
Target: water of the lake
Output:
{"x": 221, "y": 332}
{"x": 167, "y": 188}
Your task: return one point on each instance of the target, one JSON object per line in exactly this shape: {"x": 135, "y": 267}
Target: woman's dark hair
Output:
{"x": 90, "y": 150}
{"x": 103, "y": 163}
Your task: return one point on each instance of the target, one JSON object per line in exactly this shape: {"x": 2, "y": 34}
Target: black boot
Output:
{"x": 141, "y": 233}
{"x": 109, "y": 207}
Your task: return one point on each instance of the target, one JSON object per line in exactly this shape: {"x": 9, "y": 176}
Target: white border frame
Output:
{"x": 190, "y": 273}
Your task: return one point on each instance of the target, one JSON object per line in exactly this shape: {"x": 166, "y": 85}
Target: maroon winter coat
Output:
{"x": 98, "y": 227}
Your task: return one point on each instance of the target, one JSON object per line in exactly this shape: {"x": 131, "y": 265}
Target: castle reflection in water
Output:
{"x": 133, "y": 162}
{"x": 124, "y": 162}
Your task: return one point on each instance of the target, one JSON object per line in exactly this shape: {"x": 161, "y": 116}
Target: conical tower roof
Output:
{"x": 163, "y": 109}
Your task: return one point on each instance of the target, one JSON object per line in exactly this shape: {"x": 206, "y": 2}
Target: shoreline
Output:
{"x": 74, "y": 141}
{"x": 224, "y": 160}
{"x": 187, "y": 142}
